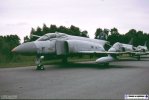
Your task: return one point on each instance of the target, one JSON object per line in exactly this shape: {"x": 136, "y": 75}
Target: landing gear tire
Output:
{"x": 40, "y": 67}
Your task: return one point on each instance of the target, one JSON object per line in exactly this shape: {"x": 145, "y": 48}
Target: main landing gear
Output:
{"x": 138, "y": 58}
{"x": 106, "y": 64}
{"x": 40, "y": 66}
{"x": 64, "y": 60}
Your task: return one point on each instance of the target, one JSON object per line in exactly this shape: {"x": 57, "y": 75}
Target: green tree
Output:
{"x": 114, "y": 31}
{"x": 84, "y": 34}
{"x": 45, "y": 29}
{"x": 106, "y": 31}
{"x": 114, "y": 36}
{"x": 26, "y": 39}
{"x": 39, "y": 31}
{"x": 75, "y": 30}
{"x": 98, "y": 32}
{"x": 7, "y": 44}
{"x": 63, "y": 29}
{"x": 53, "y": 28}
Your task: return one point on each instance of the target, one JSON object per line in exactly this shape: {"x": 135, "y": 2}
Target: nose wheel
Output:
{"x": 40, "y": 66}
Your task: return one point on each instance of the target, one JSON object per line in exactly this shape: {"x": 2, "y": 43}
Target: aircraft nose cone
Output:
{"x": 28, "y": 47}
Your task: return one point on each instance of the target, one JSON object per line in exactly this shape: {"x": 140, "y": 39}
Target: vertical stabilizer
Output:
{"x": 102, "y": 36}
{"x": 145, "y": 44}
{"x": 131, "y": 41}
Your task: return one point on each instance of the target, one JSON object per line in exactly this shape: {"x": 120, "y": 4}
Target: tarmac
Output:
{"x": 85, "y": 80}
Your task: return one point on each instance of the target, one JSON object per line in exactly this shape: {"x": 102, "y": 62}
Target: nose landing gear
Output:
{"x": 40, "y": 66}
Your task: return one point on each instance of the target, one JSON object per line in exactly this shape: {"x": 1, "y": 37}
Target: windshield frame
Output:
{"x": 50, "y": 36}
{"x": 43, "y": 38}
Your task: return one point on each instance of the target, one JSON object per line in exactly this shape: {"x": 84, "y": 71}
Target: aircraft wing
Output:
{"x": 114, "y": 53}
{"x": 140, "y": 53}
{"x": 103, "y": 52}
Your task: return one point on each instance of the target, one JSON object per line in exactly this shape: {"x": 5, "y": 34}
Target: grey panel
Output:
{"x": 61, "y": 47}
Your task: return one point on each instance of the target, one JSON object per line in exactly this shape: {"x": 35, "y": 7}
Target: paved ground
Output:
{"x": 77, "y": 81}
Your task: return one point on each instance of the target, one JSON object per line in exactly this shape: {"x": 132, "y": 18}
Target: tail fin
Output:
{"x": 102, "y": 36}
{"x": 145, "y": 44}
{"x": 131, "y": 41}
{"x": 31, "y": 36}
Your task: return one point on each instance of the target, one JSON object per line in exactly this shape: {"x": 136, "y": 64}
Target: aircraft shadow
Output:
{"x": 93, "y": 65}
{"x": 84, "y": 65}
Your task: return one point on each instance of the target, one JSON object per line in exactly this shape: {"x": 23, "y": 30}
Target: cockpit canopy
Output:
{"x": 49, "y": 36}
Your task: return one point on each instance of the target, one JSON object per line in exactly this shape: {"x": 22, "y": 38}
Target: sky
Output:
{"x": 19, "y": 16}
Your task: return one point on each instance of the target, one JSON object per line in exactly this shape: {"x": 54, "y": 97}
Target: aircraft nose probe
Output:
{"x": 28, "y": 47}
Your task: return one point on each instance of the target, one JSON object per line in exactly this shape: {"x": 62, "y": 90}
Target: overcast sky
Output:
{"x": 19, "y": 16}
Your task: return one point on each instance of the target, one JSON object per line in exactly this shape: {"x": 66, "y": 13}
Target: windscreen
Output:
{"x": 51, "y": 36}
{"x": 43, "y": 38}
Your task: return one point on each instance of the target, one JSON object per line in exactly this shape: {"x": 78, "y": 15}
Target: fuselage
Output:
{"x": 121, "y": 47}
{"x": 60, "y": 44}
{"x": 141, "y": 48}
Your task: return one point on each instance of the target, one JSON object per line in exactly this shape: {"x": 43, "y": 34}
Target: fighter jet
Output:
{"x": 116, "y": 50}
{"x": 61, "y": 45}
{"x": 121, "y": 48}
{"x": 142, "y": 48}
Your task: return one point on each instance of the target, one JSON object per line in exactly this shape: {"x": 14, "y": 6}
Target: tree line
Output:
{"x": 72, "y": 30}
{"x": 113, "y": 36}
{"x": 8, "y": 42}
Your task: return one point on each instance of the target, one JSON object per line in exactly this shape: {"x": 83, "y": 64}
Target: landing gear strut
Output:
{"x": 138, "y": 58}
{"x": 40, "y": 66}
{"x": 106, "y": 64}
{"x": 64, "y": 60}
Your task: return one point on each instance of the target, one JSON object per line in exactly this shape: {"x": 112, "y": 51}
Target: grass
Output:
{"x": 18, "y": 61}
{"x": 29, "y": 61}
{"x": 16, "y": 64}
